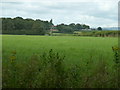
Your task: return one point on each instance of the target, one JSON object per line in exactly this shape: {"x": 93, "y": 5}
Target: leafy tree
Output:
{"x": 65, "y": 28}
{"x": 18, "y": 25}
{"x": 99, "y": 28}
{"x": 78, "y": 27}
{"x": 51, "y": 22}
{"x": 28, "y": 24}
{"x": 38, "y": 27}
{"x": 7, "y": 24}
{"x": 71, "y": 27}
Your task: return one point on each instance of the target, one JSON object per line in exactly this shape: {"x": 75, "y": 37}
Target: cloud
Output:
{"x": 92, "y": 12}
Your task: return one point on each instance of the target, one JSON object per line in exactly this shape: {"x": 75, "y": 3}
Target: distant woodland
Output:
{"x": 28, "y": 26}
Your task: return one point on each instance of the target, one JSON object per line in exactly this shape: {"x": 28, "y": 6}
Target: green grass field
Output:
{"x": 77, "y": 50}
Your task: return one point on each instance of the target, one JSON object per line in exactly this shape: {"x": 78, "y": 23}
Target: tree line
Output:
{"x": 28, "y": 26}
{"x": 19, "y": 25}
{"x": 63, "y": 28}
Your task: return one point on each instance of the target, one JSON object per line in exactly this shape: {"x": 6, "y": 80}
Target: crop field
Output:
{"x": 87, "y": 62}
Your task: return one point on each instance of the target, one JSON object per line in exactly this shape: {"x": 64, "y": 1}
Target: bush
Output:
{"x": 48, "y": 70}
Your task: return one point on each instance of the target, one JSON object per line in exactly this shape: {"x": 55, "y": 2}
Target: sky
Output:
{"x": 95, "y": 13}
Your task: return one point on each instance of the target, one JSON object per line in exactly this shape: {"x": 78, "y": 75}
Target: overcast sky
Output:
{"x": 95, "y": 13}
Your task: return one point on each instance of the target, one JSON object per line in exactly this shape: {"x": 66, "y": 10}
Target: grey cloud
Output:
{"x": 61, "y": 11}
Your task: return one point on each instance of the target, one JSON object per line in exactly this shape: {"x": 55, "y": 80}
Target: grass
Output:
{"x": 88, "y": 55}
{"x": 75, "y": 48}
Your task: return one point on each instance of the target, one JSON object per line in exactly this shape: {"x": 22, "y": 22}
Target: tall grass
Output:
{"x": 48, "y": 71}
{"x": 73, "y": 62}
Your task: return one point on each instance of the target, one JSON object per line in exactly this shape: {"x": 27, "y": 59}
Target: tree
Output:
{"x": 65, "y": 28}
{"x": 7, "y": 24}
{"x": 51, "y": 22}
{"x": 71, "y": 27}
{"x": 18, "y": 25}
{"x": 38, "y": 28}
{"x": 78, "y": 27}
{"x": 99, "y": 28}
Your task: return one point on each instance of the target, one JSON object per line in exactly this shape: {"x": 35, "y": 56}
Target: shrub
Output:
{"x": 116, "y": 60}
{"x": 51, "y": 69}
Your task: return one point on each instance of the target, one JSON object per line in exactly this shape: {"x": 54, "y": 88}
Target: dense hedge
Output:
{"x": 98, "y": 33}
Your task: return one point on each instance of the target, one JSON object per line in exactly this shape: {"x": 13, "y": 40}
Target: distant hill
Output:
{"x": 111, "y": 28}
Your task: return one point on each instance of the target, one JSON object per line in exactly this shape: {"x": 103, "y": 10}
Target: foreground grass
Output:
{"x": 90, "y": 58}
